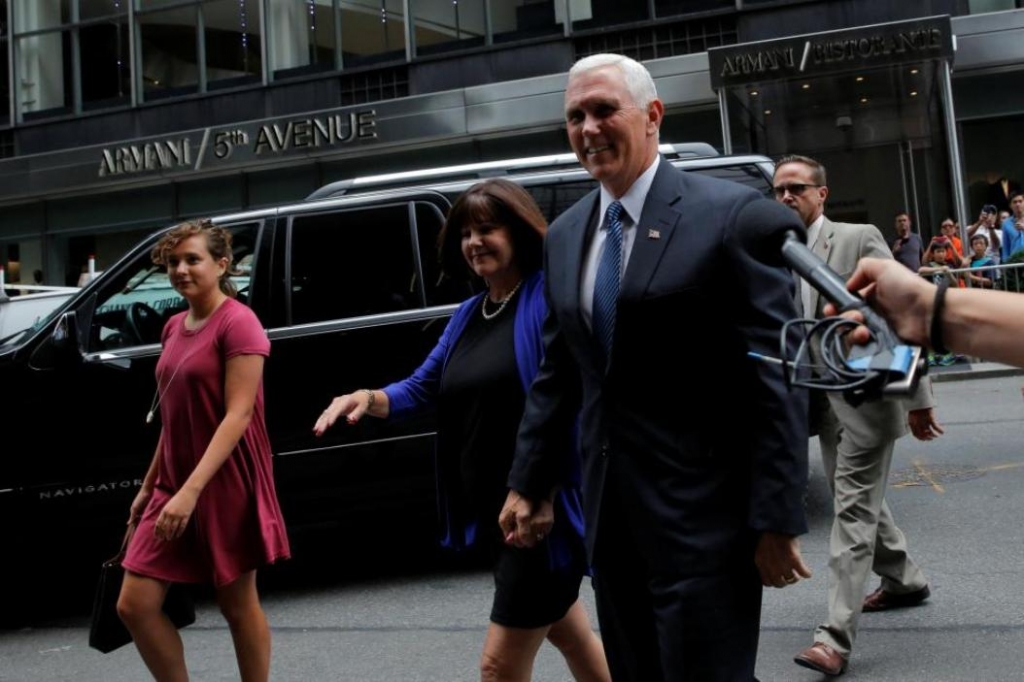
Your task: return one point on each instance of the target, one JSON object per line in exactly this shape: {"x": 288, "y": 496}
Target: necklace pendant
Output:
{"x": 149, "y": 417}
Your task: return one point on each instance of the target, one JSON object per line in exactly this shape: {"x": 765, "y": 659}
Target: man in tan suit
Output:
{"x": 856, "y": 444}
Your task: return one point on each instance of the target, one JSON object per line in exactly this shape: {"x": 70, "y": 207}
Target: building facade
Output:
{"x": 119, "y": 117}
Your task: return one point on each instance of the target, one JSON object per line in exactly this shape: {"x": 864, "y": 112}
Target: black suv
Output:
{"x": 347, "y": 285}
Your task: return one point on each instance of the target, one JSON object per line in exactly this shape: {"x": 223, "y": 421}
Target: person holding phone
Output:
{"x": 907, "y": 248}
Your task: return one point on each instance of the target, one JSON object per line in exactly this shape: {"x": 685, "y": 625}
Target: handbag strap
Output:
{"x": 127, "y": 538}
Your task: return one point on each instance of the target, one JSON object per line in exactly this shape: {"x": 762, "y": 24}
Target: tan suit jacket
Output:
{"x": 841, "y": 246}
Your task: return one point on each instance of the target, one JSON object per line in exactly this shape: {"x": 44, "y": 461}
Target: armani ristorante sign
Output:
{"x": 846, "y": 50}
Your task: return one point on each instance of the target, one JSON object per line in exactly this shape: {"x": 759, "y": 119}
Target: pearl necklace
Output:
{"x": 501, "y": 306}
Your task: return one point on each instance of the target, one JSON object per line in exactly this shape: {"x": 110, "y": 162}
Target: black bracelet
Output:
{"x": 936, "y": 330}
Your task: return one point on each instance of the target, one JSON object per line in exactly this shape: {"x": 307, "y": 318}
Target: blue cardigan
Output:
{"x": 418, "y": 393}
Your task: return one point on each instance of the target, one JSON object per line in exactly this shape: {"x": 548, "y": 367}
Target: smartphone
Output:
{"x": 918, "y": 367}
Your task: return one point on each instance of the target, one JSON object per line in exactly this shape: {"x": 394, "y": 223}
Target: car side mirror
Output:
{"x": 65, "y": 334}
{"x": 63, "y": 347}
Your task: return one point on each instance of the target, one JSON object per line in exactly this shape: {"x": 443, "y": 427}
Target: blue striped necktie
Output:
{"x": 606, "y": 283}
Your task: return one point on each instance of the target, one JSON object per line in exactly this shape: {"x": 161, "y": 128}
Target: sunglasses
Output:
{"x": 794, "y": 188}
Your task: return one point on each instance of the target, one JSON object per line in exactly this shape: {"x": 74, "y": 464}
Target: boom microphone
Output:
{"x": 883, "y": 366}
{"x": 823, "y": 278}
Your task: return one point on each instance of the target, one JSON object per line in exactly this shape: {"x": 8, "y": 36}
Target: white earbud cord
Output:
{"x": 158, "y": 395}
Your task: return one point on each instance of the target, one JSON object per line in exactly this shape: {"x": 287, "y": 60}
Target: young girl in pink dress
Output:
{"x": 207, "y": 511}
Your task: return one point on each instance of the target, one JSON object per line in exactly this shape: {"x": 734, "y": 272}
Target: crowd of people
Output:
{"x": 996, "y": 238}
{"x": 553, "y": 450}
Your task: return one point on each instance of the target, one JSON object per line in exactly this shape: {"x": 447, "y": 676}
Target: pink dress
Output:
{"x": 237, "y": 524}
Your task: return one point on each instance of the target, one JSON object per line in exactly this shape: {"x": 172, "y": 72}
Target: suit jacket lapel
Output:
{"x": 653, "y": 232}
{"x": 822, "y": 248}
{"x": 579, "y": 243}
{"x": 580, "y": 233}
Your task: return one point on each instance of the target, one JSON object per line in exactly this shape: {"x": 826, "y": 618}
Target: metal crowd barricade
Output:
{"x": 1008, "y": 277}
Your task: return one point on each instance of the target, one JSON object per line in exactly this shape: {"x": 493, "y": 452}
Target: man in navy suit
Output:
{"x": 694, "y": 455}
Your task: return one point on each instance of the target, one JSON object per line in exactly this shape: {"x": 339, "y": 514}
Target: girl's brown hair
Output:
{"x": 500, "y": 202}
{"x": 218, "y": 242}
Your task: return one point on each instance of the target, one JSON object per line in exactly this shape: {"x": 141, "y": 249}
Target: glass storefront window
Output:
{"x": 45, "y": 73}
{"x": 442, "y": 25}
{"x": 300, "y": 35}
{"x": 99, "y": 9}
{"x": 157, "y": 4}
{"x": 587, "y": 14}
{"x": 37, "y": 15}
{"x": 106, "y": 76}
{"x": 521, "y": 19}
{"x": 24, "y": 261}
{"x": 372, "y": 31}
{"x": 233, "y": 39}
{"x": 169, "y": 51}
{"x": 95, "y": 37}
{"x": 668, "y": 8}
{"x": 5, "y": 83}
{"x": 982, "y": 6}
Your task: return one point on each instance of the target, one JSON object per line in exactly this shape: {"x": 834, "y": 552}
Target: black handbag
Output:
{"x": 107, "y": 632}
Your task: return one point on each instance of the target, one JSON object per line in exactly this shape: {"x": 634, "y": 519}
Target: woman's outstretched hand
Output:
{"x": 352, "y": 406}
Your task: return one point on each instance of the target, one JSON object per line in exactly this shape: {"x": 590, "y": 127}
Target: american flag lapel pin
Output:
{"x": 653, "y": 234}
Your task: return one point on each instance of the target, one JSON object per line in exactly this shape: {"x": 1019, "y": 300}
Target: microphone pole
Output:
{"x": 878, "y": 355}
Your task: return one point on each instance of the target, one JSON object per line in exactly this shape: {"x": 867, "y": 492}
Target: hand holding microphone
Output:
{"x": 894, "y": 292}
{"x": 883, "y": 365}
{"x": 975, "y": 322}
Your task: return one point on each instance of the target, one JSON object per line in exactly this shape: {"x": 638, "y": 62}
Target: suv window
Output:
{"x": 136, "y": 304}
{"x": 353, "y": 263}
{"x": 440, "y": 289}
{"x": 748, "y": 175}
{"x": 553, "y": 200}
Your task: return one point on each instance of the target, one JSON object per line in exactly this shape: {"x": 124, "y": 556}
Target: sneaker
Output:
{"x": 947, "y": 360}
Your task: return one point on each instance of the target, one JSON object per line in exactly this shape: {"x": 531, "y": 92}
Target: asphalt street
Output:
{"x": 957, "y": 499}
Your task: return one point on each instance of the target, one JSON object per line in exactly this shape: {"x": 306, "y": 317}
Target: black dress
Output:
{"x": 480, "y": 404}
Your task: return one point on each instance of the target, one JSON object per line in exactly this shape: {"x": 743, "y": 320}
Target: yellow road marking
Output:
{"x": 923, "y": 471}
{"x": 926, "y": 475}
{"x": 1001, "y": 467}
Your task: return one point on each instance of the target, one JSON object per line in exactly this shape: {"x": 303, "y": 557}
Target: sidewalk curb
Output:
{"x": 993, "y": 373}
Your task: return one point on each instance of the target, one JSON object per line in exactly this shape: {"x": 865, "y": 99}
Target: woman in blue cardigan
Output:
{"x": 476, "y": 378}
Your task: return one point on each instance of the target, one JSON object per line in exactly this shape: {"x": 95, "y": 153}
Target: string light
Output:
{"x": 313, "y": 45}
{"x": 120, "y": 64}
{"x": 243, "y": 15}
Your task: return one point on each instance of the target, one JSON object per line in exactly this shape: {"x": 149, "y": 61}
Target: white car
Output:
{"x": 19, "y": 313}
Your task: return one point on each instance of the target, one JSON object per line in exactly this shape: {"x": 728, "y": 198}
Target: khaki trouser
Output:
{"x": 864, "y": 536}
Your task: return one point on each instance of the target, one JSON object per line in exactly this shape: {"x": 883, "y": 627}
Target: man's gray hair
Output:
{"x": 638, "y": 79}
{"x": 817, "y": 167}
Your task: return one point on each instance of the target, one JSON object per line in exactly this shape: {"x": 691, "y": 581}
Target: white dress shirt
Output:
{"x": 633, "y": 205}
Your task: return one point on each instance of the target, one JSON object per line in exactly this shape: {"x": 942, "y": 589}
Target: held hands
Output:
{"x": 523, "y": 522}
{"x": 778, "y": 560}
{"x": 175, "y": 515}
{"x": 351, "y": 405}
